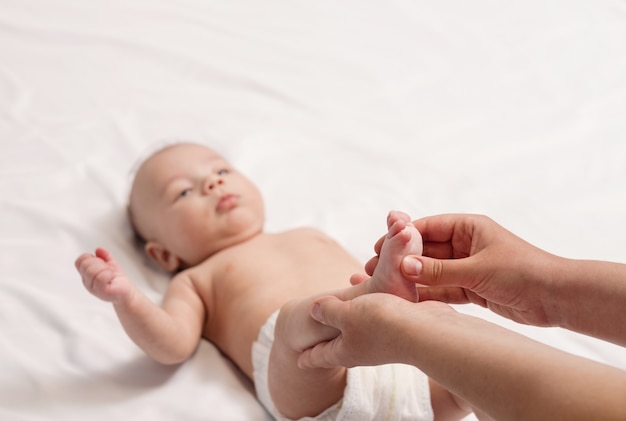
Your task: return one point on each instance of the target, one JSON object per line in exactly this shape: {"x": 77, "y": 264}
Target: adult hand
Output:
{"x": 374, "y": 329}
{"x": 459, "y": 352}
{"x": 472, "y": 259}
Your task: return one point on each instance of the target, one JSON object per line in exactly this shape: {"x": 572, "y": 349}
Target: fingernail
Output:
{"x": 412, "y": 266}
{"x": 316, "y": 313}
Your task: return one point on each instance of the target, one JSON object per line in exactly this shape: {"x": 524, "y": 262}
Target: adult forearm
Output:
{"x": 589, "y": 297}
{"x": 509, "y": 376}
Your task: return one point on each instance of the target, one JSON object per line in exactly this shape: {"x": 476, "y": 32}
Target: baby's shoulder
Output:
{"x": 201, "y": 273}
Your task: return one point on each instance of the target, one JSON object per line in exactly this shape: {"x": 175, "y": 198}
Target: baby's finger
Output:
{"x": 104, "y": 254}
{"x": 80, "y": 261}
{"x": 95, "y": 271}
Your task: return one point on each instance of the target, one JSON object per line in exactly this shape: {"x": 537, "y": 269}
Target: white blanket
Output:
{"x": 339, "y": 111}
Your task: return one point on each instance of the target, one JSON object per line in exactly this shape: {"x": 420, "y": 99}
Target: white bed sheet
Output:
{"x": 339, "y": 111}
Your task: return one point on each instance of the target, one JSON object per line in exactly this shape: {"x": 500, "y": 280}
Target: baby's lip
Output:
{"x": 227, "y": 202}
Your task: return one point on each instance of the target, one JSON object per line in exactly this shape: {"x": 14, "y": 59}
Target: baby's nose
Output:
{"x": 214, "y": 183}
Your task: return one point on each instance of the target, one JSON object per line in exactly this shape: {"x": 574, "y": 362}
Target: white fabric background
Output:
{"x": 339, "y": 111}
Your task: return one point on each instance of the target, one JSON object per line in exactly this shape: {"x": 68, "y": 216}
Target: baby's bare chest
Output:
{"x": 301, "y": 262}
{"x": 247, "y": 284}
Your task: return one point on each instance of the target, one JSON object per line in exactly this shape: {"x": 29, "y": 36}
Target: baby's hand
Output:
{"x": 103, "y": 277}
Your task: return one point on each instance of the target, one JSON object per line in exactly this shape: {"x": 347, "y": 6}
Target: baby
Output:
{"x": 250, "y": 292}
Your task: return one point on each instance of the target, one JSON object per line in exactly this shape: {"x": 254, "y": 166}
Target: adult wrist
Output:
{"x": 589, "y": 297}
{"x": 548, "y": 282}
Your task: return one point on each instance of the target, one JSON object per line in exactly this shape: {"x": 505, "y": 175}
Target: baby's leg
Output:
{"x": 296, "y": 392}
{"x": 402, "y": 238}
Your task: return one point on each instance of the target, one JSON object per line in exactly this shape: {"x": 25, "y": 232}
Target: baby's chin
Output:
{"x": 225, "y": 243}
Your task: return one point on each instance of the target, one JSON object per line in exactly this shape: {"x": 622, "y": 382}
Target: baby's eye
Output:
{"x": 184, "y": 193}
{"x": 223, "y": 171}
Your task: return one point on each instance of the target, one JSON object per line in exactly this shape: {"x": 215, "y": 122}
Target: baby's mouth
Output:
{"x": 227, "y": 202}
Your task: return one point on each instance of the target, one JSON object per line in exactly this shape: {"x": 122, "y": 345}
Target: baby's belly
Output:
{"x": 233, "y": 328}
{"x": 240, "y": 312}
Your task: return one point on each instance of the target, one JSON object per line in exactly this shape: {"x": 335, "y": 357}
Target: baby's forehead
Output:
{"x": 179, "y": 156}
{"x": 174, "y": 161}
{"x": 184, "y": 150}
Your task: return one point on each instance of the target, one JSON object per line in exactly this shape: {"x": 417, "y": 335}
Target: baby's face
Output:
{"x": 194, "y": 203}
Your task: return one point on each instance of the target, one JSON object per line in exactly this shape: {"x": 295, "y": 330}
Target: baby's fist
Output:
{"x": 103, "y": 277}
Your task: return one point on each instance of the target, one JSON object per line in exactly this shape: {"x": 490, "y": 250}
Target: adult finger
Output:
{"x": 439, "y": 228}
{"x": 358, "y": 278}
{"x": 379, "y": 245}
{"x": 322, "y": 355}
{"x": 449, "y": 295}
{"x": 436, "y": 272}
{"x": 437, "y": 250}
{"x": 371, "y": 265}
{"x": 327, "y": 311}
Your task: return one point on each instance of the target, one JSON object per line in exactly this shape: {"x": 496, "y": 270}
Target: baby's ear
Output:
{"x": 162, "y": 256}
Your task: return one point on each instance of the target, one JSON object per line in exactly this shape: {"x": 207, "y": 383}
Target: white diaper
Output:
{"x": 388, "y": 392}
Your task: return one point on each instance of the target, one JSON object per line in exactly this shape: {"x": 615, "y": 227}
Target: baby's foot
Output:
{"x": 401, "y": 239}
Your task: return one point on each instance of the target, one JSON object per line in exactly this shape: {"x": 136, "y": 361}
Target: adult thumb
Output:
{"x": 435, "y": 272}
{"x": 327, "y": 310}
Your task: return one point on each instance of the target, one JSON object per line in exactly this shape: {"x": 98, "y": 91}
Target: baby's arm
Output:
{"x": 170, "y": 333}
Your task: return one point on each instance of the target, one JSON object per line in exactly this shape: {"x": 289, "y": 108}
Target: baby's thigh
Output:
{"x": 296, "y": 392}
{"x": 297, "y": 330}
